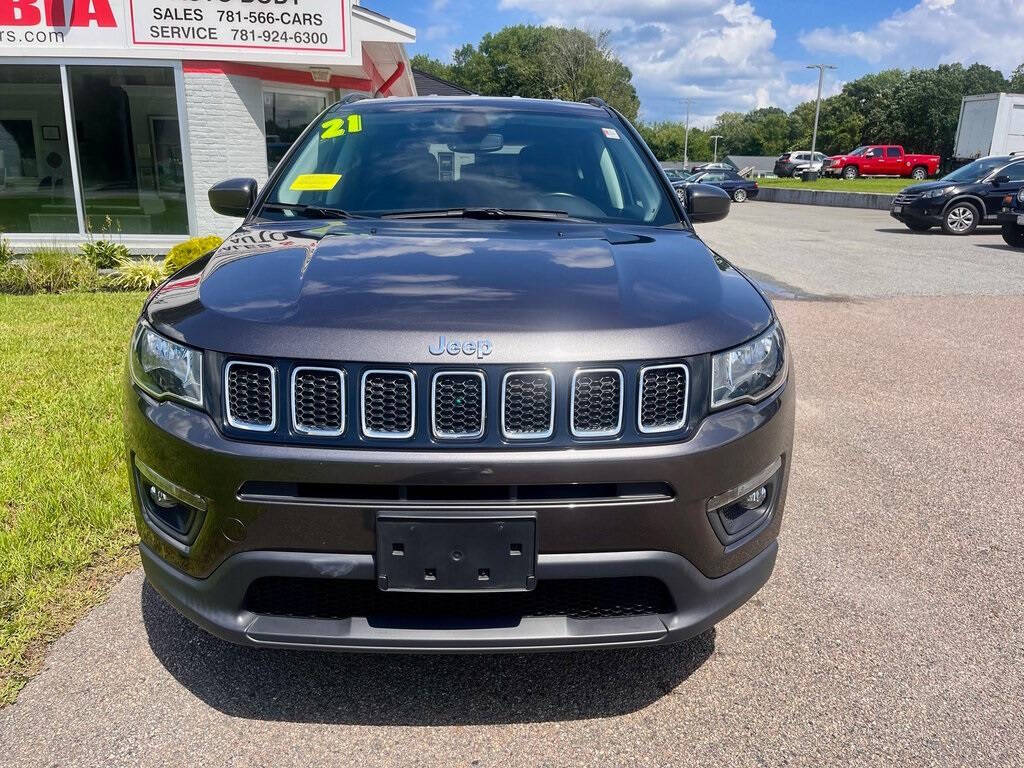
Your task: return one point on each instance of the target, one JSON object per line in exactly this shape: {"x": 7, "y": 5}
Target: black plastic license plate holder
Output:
{"x": 461, "y": 553}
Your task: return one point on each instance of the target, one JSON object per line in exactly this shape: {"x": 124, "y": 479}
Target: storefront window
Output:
{"x": 129, "y": 149}
{"x": 36, "y": 189}
{"x": 286, "y": 115}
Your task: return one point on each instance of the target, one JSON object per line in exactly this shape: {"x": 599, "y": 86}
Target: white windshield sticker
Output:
{"x": 610, "y": 133}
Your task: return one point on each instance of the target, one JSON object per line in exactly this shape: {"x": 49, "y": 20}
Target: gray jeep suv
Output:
{"x": 464, "y": 379}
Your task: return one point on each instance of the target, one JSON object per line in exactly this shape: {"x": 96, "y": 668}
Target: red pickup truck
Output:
{"x": 882, "y": 160}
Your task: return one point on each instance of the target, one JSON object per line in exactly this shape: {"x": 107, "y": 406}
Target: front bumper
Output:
{"x": 920, "y": 211}
{"x": 1012, "y": 216}
{"x": 244, "y": 537}
{"x": 217, "y": 604}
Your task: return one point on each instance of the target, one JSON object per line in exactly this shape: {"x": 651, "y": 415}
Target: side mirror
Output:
{"x": 1001, "y": 179}
{"x": 233, "y": 197}
{"x": 706, "y": 203}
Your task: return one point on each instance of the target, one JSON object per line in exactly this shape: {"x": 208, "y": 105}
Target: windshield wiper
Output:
{"x": 314, "y": 211}
{"x": 479, "y": 213}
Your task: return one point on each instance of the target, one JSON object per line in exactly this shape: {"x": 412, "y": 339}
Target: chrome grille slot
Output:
{"x": 596, "y": 405}
{"x": 663, "y": 398}
{"x": 457, "y": 402}
{"x": 318, "y": 401}
{"x": 250, "y": 395}
{"x": 528, "y": 405}
{"x": 388, "y": 404}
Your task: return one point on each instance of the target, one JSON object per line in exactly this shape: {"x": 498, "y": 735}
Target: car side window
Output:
{"x": 1015, "y": 172}
{"x": 873, "y": 153}
{"x": 717, "y": 176}
{"x": 892, "y": 151}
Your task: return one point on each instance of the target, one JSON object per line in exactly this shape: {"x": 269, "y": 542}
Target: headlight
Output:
{"x": 937, "y": 192}
{"x": 166, "y": 369}
{"x": 750, "y": 372}
{"x": 1020, "y": 196}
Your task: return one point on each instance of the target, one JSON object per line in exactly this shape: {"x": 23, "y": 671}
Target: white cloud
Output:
{"x": 933, "y": 32}
{"x": 719, "y": 52}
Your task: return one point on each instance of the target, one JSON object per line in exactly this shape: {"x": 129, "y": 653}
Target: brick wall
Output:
{"x": 225, "y": 126}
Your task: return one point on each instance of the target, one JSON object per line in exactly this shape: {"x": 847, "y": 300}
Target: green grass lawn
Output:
{"x": 66, "y": 525}
{"x": 881, "y": 186}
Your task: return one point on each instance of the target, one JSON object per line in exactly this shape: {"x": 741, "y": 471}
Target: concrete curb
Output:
{"x": 824, "y": 197}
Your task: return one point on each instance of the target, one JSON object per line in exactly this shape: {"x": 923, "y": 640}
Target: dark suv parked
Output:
{"x": 962, "y": 200}
{"x": 1012, "y": 219}
{"x": 465, "y": 378}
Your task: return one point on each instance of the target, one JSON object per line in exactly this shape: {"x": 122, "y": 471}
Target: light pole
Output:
{"x": 716, "y": 137}
{"x": 811, "y": 174}
{"x": 686, "y": 136}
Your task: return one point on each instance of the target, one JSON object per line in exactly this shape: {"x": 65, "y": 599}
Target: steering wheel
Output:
{"x": 572, "y": 204}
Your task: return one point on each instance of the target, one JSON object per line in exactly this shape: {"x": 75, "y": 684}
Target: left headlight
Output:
{"x": 750, "y": 372}
{"x": 1020, "y": 196}
{"x": 937, "y": 192}
{"x": 166, "y": 369}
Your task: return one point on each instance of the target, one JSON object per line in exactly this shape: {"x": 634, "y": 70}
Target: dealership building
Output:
{"x": 117, "y": 116}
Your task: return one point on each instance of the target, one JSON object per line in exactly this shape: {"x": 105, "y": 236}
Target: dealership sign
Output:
{"x": 269, "y": 31}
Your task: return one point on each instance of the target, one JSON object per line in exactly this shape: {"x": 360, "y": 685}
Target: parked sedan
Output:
{"x": 962, "y": 200}
{"x": 739, "y": 188}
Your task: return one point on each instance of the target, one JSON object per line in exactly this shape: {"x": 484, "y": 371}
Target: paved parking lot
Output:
{"x": 891, "y": 633}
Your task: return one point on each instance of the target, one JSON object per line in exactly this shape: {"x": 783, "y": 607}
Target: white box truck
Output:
{"x": 990, "y": 124}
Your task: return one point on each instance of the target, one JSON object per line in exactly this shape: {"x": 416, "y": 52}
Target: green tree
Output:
{"x": 541, "y": 62}
{"x": 1016, "y": 83}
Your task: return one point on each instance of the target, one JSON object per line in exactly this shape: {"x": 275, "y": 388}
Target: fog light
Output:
{"x": 755, "y": 499}
{"x": 162, "y": 499}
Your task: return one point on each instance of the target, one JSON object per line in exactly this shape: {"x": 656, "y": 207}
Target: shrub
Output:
{"x": 6, "y": 252}
{"x": 138, "y": 274}
{"x": 104, "y": 254}
{"x": 185, "y": 253}
{"x": 49, "y": 270}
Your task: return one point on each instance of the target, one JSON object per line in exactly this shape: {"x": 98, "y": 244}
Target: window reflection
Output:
{"x": 129, "y": 149}
{"x": 285, "y": 116}
{"x": 36, "y": 190}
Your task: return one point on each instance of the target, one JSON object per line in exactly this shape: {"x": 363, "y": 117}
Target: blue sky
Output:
{"x": 740, "y": 55}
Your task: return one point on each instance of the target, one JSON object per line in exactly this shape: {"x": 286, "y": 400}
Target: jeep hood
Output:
{"x": 385, "y": 291}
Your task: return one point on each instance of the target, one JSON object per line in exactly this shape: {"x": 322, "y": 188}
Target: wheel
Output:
{"x": 1013, "y": 234}
{"x": 850, "y": 172}
{"x": 739, "y": 195}
{"x": 918, "y": 226}
{"x": 919, "y": 173}
{"x": 961, "y": 218}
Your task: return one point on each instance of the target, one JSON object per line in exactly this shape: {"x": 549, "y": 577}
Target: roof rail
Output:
{"x": 596, "y": 101}
{"x": 354, "y": 97}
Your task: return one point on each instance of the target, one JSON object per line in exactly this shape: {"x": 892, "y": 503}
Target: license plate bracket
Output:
{"x": 897, "y": 209}
{"x": 1020, "y": 219}
{"x": 456, "y": 554}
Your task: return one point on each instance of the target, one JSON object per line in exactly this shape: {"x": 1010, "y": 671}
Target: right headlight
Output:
{"x": 1020, "y": 196}
{"x": 750, "y": 372}
{"x": 166, "y": 369}
{"x": 942, "y": 192}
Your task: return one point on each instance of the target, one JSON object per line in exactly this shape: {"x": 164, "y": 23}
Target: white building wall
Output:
{"x": 226, "y": 139}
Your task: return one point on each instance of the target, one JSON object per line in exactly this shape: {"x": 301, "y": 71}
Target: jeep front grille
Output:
{"x": 528, "y": 405}
{"x": 388, "y": 404}
{"x": 251, "y": 396}
{"x": 596, "y": 405}
{"x": 458, "y": 404}
{"x": 663, "y": 397}
{"x": 318, "y": 401}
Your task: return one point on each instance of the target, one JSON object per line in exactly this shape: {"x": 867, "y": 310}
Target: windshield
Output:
{"x": 859, "y": 151}
{"x": 372, "y": 159}
{"x": 975, "y": 171}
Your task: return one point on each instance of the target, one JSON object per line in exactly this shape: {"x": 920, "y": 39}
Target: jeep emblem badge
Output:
{"x": 479, "y": 347}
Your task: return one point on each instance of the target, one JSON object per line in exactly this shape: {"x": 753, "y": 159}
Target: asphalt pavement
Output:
{"x": 890, "y": 634}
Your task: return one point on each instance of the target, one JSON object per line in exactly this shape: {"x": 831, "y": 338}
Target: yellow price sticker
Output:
{"x": 315, "y": 182}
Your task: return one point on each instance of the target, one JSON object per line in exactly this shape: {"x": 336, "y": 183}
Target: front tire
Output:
{"x": 739, "y": 195}
{"x": 1013, "y": 234}
{"x": 960, "y": 218}
{"x": 920, "y": 173}
{"x": 851, "y": 172}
